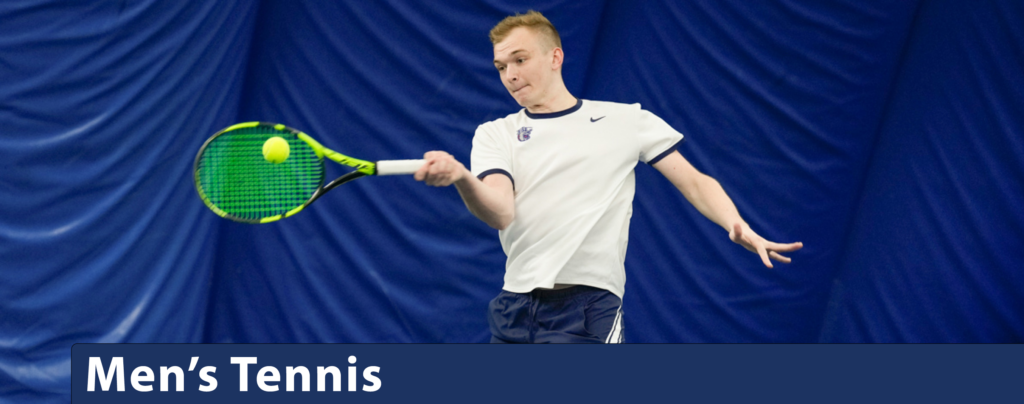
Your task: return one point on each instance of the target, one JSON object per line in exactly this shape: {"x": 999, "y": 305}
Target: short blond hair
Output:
{"x": 533, "y": 20}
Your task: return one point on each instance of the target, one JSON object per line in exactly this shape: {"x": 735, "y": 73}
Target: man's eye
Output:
{"x": 501, "y": 68}
{"x": 520, "y": 60}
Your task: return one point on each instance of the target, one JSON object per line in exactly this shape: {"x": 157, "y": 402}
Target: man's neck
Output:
{"x": 562, "y": 101}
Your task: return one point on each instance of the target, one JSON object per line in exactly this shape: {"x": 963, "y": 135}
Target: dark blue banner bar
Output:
{"x": 401, "y": 373}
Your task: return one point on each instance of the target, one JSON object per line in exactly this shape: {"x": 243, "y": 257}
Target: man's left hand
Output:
{"x": 742, "y": 234}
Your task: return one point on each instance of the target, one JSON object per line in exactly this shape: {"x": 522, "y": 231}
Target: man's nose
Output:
{"x": 511, "y": 74}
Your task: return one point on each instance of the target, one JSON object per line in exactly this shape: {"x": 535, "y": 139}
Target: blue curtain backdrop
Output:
{"x": 887, "y": 136}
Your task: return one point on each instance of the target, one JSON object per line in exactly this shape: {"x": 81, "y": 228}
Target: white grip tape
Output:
{"x": 396, "y": 167}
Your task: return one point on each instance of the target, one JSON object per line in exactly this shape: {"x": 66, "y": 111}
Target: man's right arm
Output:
{"x": 491, "y": 199}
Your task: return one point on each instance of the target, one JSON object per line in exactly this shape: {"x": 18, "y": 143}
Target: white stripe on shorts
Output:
{"x": 615, "y": 335}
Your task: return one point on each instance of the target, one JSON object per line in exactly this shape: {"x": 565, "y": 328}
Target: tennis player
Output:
{"x": 556, "y": 179}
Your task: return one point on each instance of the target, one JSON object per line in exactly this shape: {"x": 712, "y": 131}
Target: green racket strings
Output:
{"x": 234, "y": 177}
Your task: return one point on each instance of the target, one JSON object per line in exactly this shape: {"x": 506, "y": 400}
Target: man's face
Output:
{"x": 526, "y": 69}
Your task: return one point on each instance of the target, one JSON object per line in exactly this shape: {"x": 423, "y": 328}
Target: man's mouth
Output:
{"x": 520, "y": 88}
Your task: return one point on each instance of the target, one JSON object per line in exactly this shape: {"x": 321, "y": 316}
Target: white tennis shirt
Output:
{"x": 574, "y": 183}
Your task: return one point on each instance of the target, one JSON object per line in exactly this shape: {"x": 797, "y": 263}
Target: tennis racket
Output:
{"x": 236, "y": 182}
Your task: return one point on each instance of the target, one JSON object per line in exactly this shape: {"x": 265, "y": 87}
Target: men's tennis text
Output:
{"x": 265, "y": 378}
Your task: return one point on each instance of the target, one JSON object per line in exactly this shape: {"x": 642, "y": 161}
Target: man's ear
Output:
{"x": 557, "y": 58}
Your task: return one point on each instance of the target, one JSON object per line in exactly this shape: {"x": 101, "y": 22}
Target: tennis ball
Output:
{"x": 276, "y": 150}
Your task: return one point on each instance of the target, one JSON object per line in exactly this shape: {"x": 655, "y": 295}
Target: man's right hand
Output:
{"x": 440, "y": 169}
{"x": 491, "y": 199}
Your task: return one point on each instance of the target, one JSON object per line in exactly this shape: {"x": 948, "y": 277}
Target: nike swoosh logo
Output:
{"x": 598, "y": 119}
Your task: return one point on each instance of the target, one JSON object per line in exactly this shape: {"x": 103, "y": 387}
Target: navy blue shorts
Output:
{"x": 579, "y": 314}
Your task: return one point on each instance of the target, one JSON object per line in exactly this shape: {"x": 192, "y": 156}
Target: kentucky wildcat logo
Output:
{"x": 524, "y": 133}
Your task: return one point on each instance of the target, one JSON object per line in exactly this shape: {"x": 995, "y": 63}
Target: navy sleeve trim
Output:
{"x": 498, "y": 171}
{"x": 666, "y": 152}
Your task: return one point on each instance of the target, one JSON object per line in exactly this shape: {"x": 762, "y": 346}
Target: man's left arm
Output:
{"x": 707, "y": 195}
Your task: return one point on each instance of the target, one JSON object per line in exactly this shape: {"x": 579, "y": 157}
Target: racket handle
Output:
{"x": 396, "y": 167}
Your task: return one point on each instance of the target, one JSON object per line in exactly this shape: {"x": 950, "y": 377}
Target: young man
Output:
{"x": 556, "y": 179}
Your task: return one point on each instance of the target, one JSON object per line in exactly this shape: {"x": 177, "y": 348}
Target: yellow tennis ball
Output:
{"x": 276, "y": 150}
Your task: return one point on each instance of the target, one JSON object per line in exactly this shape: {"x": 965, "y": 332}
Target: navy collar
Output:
{"x": 574, "y": 108}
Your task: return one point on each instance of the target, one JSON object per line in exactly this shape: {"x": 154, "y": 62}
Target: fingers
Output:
{"x": 788, "y": 247}
{"x": 440, "y": 173}
{"x": 440, "y": 169}
{"x": 773, "y": 250}
{"x": 763, "y": 252}
{"x": 435, "y": 172}
{"x": 421, "y": 174}
{"x": 767, "y": 250}
{"x": 778, "y": 257}
{"x": 428, "y": 160}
